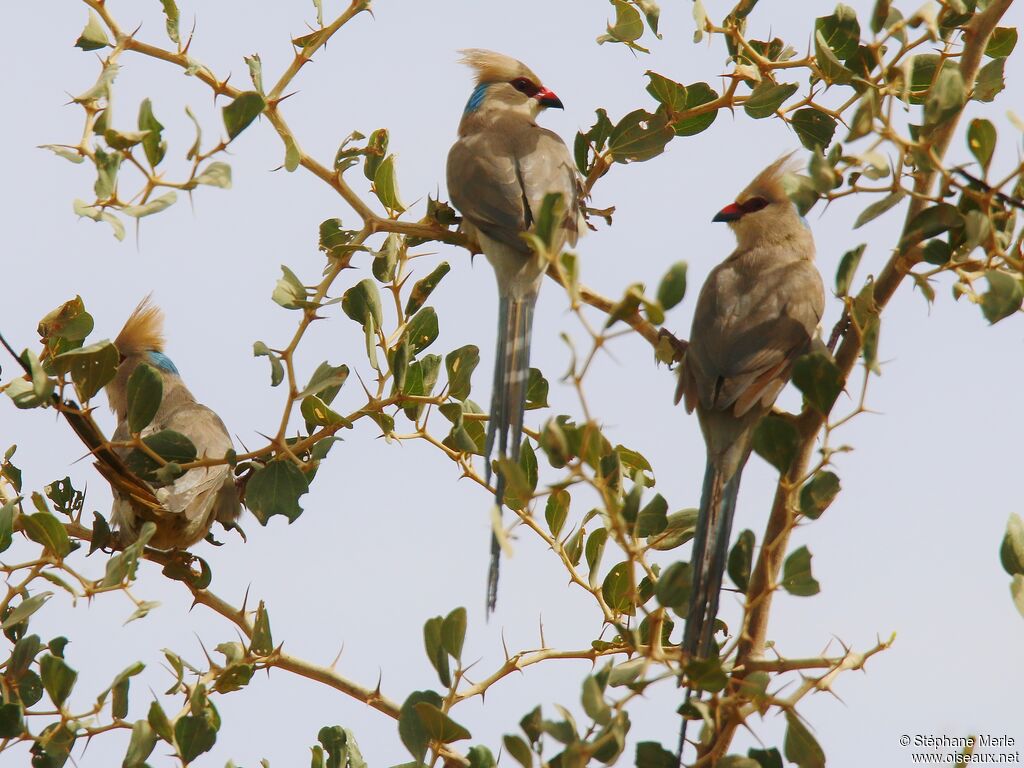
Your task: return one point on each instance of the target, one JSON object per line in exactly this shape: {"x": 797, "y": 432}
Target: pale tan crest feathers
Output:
{"x": 768, "y": 183}
{"x": 143, "y": 331}
{"x": 493, "y": 67}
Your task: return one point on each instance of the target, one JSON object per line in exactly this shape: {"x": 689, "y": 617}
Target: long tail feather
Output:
{"x": 508, "y": 405}
{"x": 710, "y": 551}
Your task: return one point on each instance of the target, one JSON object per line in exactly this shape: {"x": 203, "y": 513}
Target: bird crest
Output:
{"x": 770, "y": 183}
{"x": 492, "y": 67}
{"x": 143, "y": 331}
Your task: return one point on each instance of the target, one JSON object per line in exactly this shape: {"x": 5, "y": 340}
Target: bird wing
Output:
{"x": 483, "y": 184}
{"x": 195, "y": 491}
{"x": 754, "y": 323}
{"x": 544, "y": 167}
{"x": 498, "y": 179}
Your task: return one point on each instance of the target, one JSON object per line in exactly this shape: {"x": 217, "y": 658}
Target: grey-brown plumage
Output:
{"x": 499, "y": 171}
{"x": 757, "y": 312}
{"x": 191, "y": 503}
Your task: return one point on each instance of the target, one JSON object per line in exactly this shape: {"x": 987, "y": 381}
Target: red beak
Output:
{"x": 548, "y": 98}
{"x": 731, "y": 212}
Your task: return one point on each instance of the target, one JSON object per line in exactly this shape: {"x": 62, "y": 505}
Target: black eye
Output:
{"x": 753, "y": 204}
{"x": 524, "y": 85}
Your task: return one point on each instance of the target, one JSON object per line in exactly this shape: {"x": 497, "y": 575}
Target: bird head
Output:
{"x": 141, "y": 340}
{"x": 505, "y": 83}
{"x": 763, "y": 209}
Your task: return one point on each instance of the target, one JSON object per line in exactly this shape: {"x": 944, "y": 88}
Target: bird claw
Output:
{"x": 231, "y": 525}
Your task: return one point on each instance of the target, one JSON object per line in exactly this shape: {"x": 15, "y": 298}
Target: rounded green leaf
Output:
{"x": 246, "y": 107}
{"x": 145, "y": 391}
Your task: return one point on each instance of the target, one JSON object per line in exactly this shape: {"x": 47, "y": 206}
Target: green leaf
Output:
{"x": 12, "y": 722}
{"x": 800, "y": 746}
{"x": 438, "y": 725}
{"x": 171, "y": 12}
{"x": 555, "y": 511}
{"x": 90, "y": 367}
{"x": 618, "y": 591}
{"x": 262, "y": 642}
{"x": 215, "y": 175}
{"x": 877, "y": 208}
{"x": 840, "y": 31}
{"x": 706, "y": 674}
{"x": 1017, "y": 592}
{"x": 519, "y": 750}
{"x": 58, "y": 678}
{"x": 672, "y": 287}
{"x": 326, "y": 381}
{"x": 43, "y": 528}
{"x": 847, "y": 268}
{"x": 592, "y": 142}
{"x": 481, "y": 757}
{"x": 411, "y": 729}
{"x": 376, "y": 151}
{"x": 679, "y": 529}
{"x": 775, "y": 441}
{"x": 814, "y": 128}
{"x": 818, "y": 377}
{"x": 767, "y": 97}
{"x": 422, "y": 329}
{"x": 832, "y": 70}
{"x": 34, "y": 391}
{"x": 797, "y": 578}
{"x": 628, "y": 26}
{"x": 673, "y": 587}
{"x": 171, "y": 446}
{"x": 275, "y": 490}
{"x": 361, "y": 302}
{"x": 1003, "y": 297}
{"x": 423, "y": 288}
{"x": 259, "y": 349}
{"x": 255, "y": 65}
{"x": 639, "y": 136}
{"x": 536, "y": 390}
{"x": 94, "y": 36}
{"x": 594, "y": 705}
{"x": 460, "y": 364}
{"x": 68, "y": 154}
{"x": 145, "y": 391}
{"x": 818, "y": 494}
{"x": 930, "y": 222}
{"x": 990, "y": 81}
{"x": 1001, "y": 43}
{"x": 981, "y": 140}
{"x": 157, "y": 718}
{"x": 26, "y": 608}
{"x": 652, "y": 520}
{"x": 140, "y": 746}
{"x": 741, "y": 558}
{"x": 650, "y": 754}
{"x": 386, "y": 259}
{"x": 156, "y": 205}
{"x": 194, "y": 735}
{"x": 676, "y": 98}
{"x": 6, "y": 525}
{"x": 385, "y": 185}
{"x": 947, "y": 96}
{"x": 289, "y": 292}
{"x": 1011, "y": 552}
{"x": 453, "y": 632}
{"x": 246, "y": 107}
{"x": 435, "y": 649}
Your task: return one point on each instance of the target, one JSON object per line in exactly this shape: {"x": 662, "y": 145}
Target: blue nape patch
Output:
{"x": 163, "y": 362}
{"x": 477, "y": 98}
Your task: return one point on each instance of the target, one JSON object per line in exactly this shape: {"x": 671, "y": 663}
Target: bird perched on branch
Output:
{"x": 757, "y": 312}
{"x": 187, "y": 506}
{"x": 500, "y": 170}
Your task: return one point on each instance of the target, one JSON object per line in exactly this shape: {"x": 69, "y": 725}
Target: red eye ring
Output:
{"x": 525, "y": 86}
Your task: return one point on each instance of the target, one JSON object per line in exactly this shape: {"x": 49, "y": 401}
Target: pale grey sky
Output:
{"x": 389, "y": 537}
